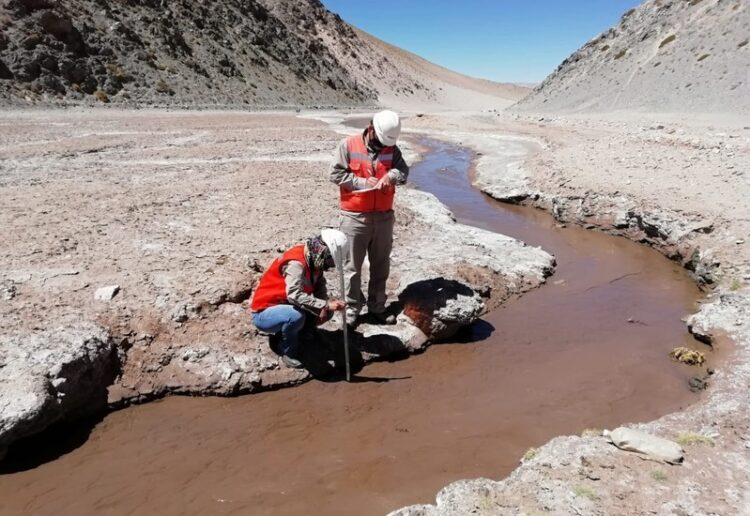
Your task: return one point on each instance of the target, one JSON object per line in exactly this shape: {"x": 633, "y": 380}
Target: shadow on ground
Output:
{"x": 474, "y": 333}
{"x": 51, "y": 444}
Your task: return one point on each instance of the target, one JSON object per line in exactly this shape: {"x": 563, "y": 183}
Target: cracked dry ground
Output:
{"x": 181, "y": 211}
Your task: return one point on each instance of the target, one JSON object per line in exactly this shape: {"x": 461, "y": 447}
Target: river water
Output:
{"x": 587, "y": 350}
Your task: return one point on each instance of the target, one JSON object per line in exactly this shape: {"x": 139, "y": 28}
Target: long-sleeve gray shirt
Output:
{"x": 342, "y": 176}
{"x": 296, "y": 280}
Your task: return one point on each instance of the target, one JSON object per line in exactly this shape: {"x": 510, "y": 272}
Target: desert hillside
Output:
{"x": 259, "y": 53}
{"x": 664, "y": 56}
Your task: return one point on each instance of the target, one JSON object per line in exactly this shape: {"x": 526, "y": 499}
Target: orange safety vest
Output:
{"x": 361, "y": 165}
{"x": 271, "y": 290}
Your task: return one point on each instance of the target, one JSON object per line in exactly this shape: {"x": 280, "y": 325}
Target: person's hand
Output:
{"x": 384, "y": 183}
{"x": 324, "y": 316}
{"x": 372, "y": 182}
{"x": 334, "y": 305}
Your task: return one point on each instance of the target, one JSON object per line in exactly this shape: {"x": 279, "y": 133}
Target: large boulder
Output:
{"x": 439, "y": 307}
{"x": 62, "y": 28}
{"x": 52, "y": 375}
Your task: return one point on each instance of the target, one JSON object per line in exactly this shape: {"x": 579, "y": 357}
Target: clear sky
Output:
{"x": 501, "y": 40}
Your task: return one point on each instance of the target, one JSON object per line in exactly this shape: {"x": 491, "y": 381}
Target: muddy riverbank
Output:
{"x": 662, "y": 183}
{"x": 523, "y": 376}
{"x": 175, "y": 216}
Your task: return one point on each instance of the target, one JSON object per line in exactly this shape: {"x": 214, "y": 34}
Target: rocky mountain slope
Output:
{"x": 262, "y": 53}
{"x": 664, "y": 56}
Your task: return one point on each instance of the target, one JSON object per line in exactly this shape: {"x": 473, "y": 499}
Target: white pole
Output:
{"x": 342, "y": 290}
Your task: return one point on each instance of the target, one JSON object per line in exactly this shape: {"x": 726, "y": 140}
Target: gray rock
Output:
{"x": 74, "y": 71}
{"x": 7, "y": 291}
{"x": 629, "y": 439}
{"x": 439, "y": 307}
{"x": 50, "y": 83}
{"x": 51, "y": 376}
{"x": 5, "y": 72}
{"x": 106, "y": 293}
{"x": 457, "y": 246}
{"x": 697, "y": 384}
{"x": 184, "y": 311}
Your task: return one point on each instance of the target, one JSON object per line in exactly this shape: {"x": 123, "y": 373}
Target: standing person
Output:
{"x": 291, "y": 297}
{"x": 367, "y": 167}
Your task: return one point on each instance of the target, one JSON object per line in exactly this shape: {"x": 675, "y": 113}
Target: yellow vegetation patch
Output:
{"x": 530, "y": 454}
{"x": 688, "y": 356}
{"x": 690, "y": 438}
{"x": 582, "y": 491}
{"x": 101, "y": 96}
{"x": 163, "y": 87}
{"x": 667, "y": 40}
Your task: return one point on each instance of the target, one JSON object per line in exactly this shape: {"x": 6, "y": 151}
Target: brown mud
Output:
{"x": 589, "y": 349}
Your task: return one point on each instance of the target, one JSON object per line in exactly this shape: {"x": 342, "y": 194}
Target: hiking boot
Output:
{"x": 381, "y": 318}
{"x": 352, "y": 321}
{"x": 291, "y": 362}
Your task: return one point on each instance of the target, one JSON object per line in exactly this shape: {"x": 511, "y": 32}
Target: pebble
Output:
{"x": 696, "y": 384}
{"x": 106, "y": 293}
{"x": 57, "y": 382}
{"x": 7, "y": 292}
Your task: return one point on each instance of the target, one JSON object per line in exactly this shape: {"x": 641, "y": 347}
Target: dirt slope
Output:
{"x": 409, "y": 82}
{"x": 664, "y": 56}
{"x": 260, "y": 53}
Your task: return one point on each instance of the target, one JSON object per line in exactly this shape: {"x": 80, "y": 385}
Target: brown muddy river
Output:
{"x": 589, "y": 349}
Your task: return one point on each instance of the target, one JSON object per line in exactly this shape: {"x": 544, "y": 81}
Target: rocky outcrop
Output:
{"x": 501, "y": 176}
{"x": 664, "y": 55}
{"x": 672, "y": 234}
{"x": 266, "y": 53}
{"x": 169, "y": 53}
{"x": 435, "y": 298}
{"x": 52, "y": 375}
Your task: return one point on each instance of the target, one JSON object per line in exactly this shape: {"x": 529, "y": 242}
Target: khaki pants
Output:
{"x": 369, "y": 234}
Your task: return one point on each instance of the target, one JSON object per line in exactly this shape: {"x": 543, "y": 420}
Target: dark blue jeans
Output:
{"x": 285, "y": 319}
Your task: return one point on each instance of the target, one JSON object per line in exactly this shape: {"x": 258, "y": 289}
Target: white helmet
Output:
{"x": 387, "y": 127}
{"x": 337, "y": 243}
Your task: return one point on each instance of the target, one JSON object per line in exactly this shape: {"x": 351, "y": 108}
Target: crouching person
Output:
{"x": 291, "y": 298}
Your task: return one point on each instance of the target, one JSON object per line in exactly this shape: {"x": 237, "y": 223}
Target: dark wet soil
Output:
{"x": 589, "y": 349}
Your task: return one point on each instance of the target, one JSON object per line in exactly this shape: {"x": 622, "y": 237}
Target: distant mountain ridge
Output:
{"x": 664, "y": 55}
{"x": 258, "y": 53}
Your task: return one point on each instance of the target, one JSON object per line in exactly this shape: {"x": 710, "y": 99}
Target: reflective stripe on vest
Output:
{"x": 361, "y": 166}
{"x": 271, "y": 290}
